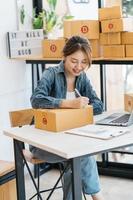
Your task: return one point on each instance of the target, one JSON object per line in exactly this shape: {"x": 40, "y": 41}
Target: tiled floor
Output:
{"x": 112, "y": 188}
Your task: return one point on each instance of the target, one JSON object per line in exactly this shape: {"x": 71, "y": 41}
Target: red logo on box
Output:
{"x": 53, "y": 47}
{"x": 129, "y": 103}
{"x": 110, "y": 26}
{"x": 44, "y": 120}
{"x": 84, "y": 29}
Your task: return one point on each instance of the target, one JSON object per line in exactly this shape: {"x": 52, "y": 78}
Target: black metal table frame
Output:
{"x": 19, "y": 166}
{"x": 74, "y": 164}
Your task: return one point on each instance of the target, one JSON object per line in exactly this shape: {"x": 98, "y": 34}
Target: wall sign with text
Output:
{"x": 25, "y": 43}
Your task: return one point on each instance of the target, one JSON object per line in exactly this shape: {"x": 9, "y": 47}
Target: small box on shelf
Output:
{"x": 129, "y": 50}
{"x": 113, "y": 51}
{"x": 110, "y": 38}
{"x": 113, "y": 12}
{"x": 127, "y": 38}
{"x": 52, "y": 48}
{"x": 96, "y": 50}
{"x": 117, "y": 25}
{"x": 85, "y": 28}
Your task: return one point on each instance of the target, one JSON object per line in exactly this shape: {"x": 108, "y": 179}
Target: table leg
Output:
{"x": 37, "y": 71}
{"x": 103, "y": 85}
{"x": 34, "y": 76}
{"x": 76, "y": 179}
{"x": 19, "y": 167}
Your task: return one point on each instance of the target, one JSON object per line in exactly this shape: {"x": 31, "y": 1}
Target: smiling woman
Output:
{"x": 56, "y": 89}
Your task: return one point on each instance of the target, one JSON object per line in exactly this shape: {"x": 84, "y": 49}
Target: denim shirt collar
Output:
{"x": 61, "y": 68}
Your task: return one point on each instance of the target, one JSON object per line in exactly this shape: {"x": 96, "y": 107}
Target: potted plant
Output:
{"x": 48, "y": 19}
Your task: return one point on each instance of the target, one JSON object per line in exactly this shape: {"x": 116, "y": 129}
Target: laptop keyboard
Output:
{"x": 123, "y": 119}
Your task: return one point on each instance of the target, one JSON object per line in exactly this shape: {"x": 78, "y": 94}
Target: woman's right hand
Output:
{"x": 79, "y": 102}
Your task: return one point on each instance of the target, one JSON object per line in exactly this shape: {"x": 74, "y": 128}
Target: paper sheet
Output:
{"x": 98, "y": 131}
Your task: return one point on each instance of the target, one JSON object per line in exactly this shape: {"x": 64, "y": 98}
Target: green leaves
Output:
{"x": 48, "y": 19}
{"x": 51, "y": 21}
{"x": 22, "y": 14}
{"x": 52, "y": 4}
{"x": 37, "y": 23}
{"x": 68, "y": 17}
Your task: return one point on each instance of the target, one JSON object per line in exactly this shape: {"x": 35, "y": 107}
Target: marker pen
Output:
{"x": 77, "y": 92}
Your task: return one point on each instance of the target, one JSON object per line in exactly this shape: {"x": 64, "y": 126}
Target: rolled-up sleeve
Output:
{"x": 41, "y": 97}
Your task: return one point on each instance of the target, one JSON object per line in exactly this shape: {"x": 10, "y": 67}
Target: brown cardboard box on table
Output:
{"x": 85, "y": 28}
{"x": 128, "y": 102}
{"x": 52, "y": 48}
{"x": 62, "y": 119}
{"x": 113, "y": 12}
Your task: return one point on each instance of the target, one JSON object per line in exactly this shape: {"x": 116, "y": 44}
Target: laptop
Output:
{"x": 117, "y": 119}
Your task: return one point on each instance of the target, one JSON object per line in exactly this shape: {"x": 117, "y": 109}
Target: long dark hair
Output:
{"x": 76, "y": 43}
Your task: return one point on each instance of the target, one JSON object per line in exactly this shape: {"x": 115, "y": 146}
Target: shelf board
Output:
{"x": 100, "y": 60}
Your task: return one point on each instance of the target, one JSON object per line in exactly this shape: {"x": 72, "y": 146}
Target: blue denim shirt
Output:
{"x": 52, "y": 88}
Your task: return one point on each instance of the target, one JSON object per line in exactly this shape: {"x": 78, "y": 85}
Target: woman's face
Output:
{"x": 75, "y": 63}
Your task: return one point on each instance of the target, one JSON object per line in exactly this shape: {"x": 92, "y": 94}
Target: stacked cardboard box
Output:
{"x": 113, "y": 25}
{"x": 86, "y": 28}
{"x": 115, "y": 39}
{"x": 127, "y": 40}
{"x": 52, "y": 48}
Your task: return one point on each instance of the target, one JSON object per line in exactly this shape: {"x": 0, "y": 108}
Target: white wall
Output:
{"x": 84, "y": 10}
{"x": 78, "y": 10}
{"x": 28, "y": 14}
{"x": 15, "y": 78}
